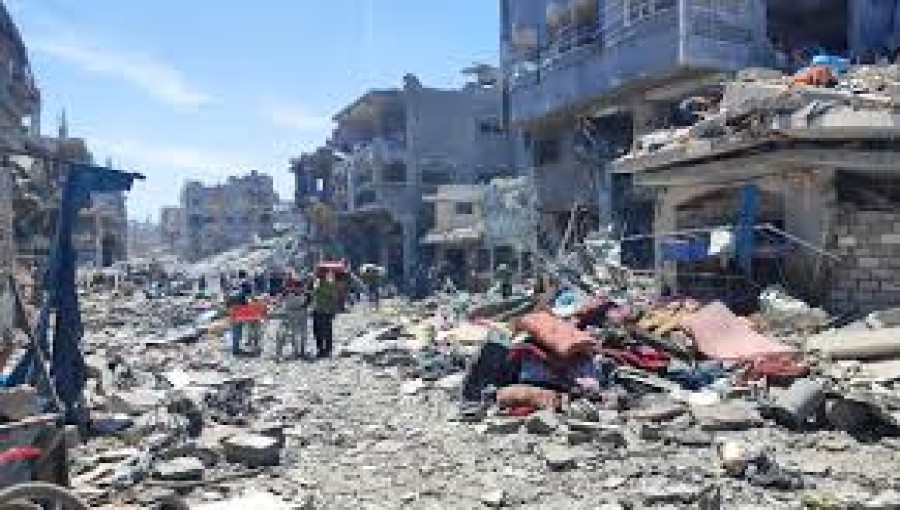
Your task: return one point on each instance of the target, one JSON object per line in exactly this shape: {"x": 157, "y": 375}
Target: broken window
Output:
{"x": 365, "y": 198}
{"x": 490, "y": 127}
{"x": 546, "y": 151}
{"x": 795, "y": 26}
{"x": 436, "y": 176}
{"x": 465, "y": 208}
{"x": 394, "y": 172}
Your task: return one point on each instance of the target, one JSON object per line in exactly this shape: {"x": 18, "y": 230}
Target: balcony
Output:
{"x": 633, "y": 49}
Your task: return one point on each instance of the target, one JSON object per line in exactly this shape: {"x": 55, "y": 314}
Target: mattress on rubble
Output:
{"x": 720, "y": 334}
{"x": 556, "y": 336}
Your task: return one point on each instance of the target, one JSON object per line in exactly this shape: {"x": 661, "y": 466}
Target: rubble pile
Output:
{"x": 583, "y": 391}
{"x": 759, "y": 410}
{"x": 765, "y": 105}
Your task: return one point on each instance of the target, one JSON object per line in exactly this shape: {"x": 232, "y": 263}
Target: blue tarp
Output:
{"x": 685, "y": 251}
{"x": 67, "y": 367}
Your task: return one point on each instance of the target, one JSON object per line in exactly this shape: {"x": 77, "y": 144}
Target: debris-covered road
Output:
{"x": 360, "y": 432}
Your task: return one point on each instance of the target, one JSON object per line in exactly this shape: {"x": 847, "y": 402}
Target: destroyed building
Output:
{"x": 224, "y": 216}
{"x": 101, "y": 237}
{"x": 805, "y": 174}
{"x": 392, "y": 147}
{"x": 458, "y": 233}
{"x": 587, "y": 78}
{"x": 478, "y": 227}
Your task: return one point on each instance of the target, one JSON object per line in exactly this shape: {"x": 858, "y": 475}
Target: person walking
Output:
{"x": 326, "y": 304}
{"x": 293, "y": 313}
{"x": 239, "y": 295}
{"x": 370, "y": 275}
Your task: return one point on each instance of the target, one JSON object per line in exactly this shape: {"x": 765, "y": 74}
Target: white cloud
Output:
{"x": 296, "y": 117}
{"x": 156, "y": 78}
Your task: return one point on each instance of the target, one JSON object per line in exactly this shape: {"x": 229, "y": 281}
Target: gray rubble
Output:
{"x": 382, "y": 426}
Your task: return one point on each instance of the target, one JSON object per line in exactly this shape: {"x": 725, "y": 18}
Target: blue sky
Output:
{"x": 181, "y": 89}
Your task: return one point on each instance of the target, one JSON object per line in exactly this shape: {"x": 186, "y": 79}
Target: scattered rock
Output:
{"x": 18, "y": 403}
{"x": 543, "y": 423}
{"x": 412, "y": 387}
{"x": 135, "y": 402}
{"x": 560, "y": 458}
{"x": 670, "y": 493}
{"x": 252, "y": 450}
{"x": 452, "y": 382}
{"x": 494, "y": 499}
{"x": 503, "y": 425}
{"x": 180, "y": 469}
{"x": 728, "y": 416}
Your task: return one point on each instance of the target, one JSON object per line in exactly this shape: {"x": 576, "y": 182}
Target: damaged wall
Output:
{"x": 868, "y": 276}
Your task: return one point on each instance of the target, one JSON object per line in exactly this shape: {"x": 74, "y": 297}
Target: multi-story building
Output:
{"x": 458, "y": 234}
{"x": 20, "y": 105}
{"x": 171, "y": 228}
{"x": 20, "y": 100}
{"x": 477, "y": 227}
{"x": 393, "y": 146}
{"x": 591, "y": 80}
{"x": 585, "y": 78}
{"x": 145, "y": 240}
{"x": 101, "y": 234}
{"x": 218, "y": 218}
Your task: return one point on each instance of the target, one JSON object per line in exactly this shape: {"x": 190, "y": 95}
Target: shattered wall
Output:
{"x": 868, "y": 242}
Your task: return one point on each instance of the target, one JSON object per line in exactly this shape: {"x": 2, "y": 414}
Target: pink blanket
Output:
{"x": 722, "y": 335}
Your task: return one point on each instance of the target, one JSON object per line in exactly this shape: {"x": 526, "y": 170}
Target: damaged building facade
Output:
{"x": 587, "y": 79}
{"x": 220, "y": 217}
{"x": 392, "y": 147}
{"x": 798, "y": 184}
{"x": 20, "y": 105}
{"x": 479, "y": 227}
{"x": 591, "y": 81}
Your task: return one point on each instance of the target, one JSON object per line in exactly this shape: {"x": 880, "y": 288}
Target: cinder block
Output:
{"x": 890, "y": 238}
{"x": 847, "y": 241}
{"x": 869, "y": 262}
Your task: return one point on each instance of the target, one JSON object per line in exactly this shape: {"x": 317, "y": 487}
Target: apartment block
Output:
{"x": 221, "y": 217}
{"x": 389, "y": 149}
{"x": 587, "y": 79}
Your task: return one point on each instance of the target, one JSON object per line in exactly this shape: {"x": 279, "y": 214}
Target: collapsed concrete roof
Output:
{"x": 770, "y": 114}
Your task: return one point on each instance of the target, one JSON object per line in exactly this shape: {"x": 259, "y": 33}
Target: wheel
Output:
{"x": 40, "y": 495}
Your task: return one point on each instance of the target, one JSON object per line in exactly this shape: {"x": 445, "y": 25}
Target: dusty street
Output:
{"x": 364, "y": 436}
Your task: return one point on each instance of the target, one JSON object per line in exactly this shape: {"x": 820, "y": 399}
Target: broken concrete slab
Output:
{"x": 889, "y": 318}
{"x": 560, "y": 458}
{"x": 543, "y": 423}
{"x": 180, "y": 469}
{"x": 861, "y": 344}
{"x": 252, "y": 450}
{"x": 134, "y": 402}
{"x": 252, "y": 500}
{"x": 503, "y": 425}
{"x": 727, "y": 416}
{"x": 412, "y": 387}
{"x": 18, "y": 403}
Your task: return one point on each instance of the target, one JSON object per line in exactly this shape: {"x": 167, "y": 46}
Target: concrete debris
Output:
{"x": 180, "y": 469}
{"x": 427, "y": 408}
{"x": 18, "y": 403}
{"x": 252, "y": 450}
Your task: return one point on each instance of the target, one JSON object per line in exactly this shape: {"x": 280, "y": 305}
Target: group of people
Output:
{"x": 291, "y": 304}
